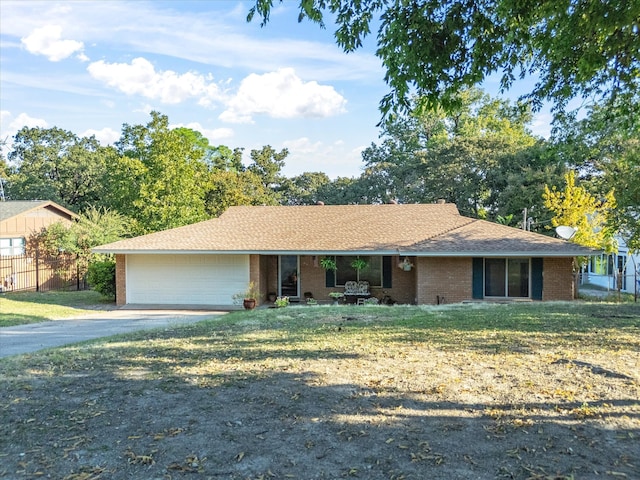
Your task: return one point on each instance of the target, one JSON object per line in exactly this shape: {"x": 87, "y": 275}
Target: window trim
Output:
{"x": 297, "y": 272}
{"x": 506, "y": 277}
{"x": 13, "y": 249}
{"x": 380, "y": 258}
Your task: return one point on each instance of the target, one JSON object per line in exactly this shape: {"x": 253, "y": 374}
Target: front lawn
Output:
{"x": 522, "y": 391}
{"x": 31, "y": 307}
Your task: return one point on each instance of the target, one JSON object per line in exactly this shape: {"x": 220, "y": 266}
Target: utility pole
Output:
{"x": 524, "y": 219}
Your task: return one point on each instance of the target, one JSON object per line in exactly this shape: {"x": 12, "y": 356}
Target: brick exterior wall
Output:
{"x": 448, "y": 280}
{"x": 432, "y": 280}
{"x": 403, "y": 284}
{"x": 558, "y": 281}
{"x": 121, "y": 279}
{"x": 312, "y": 278}
{"x": 271, "y": 274}
{"x": 257, "y": 276}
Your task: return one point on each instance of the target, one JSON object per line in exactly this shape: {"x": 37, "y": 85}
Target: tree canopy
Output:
{"x": 160, "y": 175}
{"x": 480, "y": 156}
{"x": 92, "y": 228}
{"x": 605, "y": 147}
{"x": 436, "y": 48}
{"x": 57, "y": 165}
{"x": 576, "y": 207}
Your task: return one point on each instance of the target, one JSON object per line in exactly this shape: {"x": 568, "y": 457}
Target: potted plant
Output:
{"x": 406, "y": 264}
{"x": 248, "y": 297}
{"x": 282, "y": 302}
{"x": 336, "y": 296}
{"x": 328, "y": 263}
{"x": 359, "y": 264}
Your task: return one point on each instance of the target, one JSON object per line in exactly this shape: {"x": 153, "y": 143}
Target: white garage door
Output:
{"x": 186, "y": 279}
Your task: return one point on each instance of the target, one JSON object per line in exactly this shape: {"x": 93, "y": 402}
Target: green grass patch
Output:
{"x": 611, "y": 296}
{"x": 31, "y": 307}
{"x": 596, "y": 293}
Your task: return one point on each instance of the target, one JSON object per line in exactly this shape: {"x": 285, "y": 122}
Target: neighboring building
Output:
{"x": 420, "y": 254}
{"x": 613, "y": 271}
{"x": 19, "y": 219}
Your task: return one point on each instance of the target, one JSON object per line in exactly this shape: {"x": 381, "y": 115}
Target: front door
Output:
{"x": 289, "y": 276}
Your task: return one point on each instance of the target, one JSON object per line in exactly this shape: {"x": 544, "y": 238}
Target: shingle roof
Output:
{"x": 487, "y": 239}
{"x": 418, "y": 229}
{"x": 12, "y": 208}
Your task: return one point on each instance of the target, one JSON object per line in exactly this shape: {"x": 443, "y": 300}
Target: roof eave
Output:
{"x": 501, "y": 254}
{"x": 399, "y": 252}
{"x": 129, "y": 251}
{"x": 49, "y": 203}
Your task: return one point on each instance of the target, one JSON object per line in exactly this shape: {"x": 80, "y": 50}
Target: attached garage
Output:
{"x": 185, "y": 279}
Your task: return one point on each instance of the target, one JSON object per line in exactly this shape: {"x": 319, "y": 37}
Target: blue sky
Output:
{"x": 89, "y": 67}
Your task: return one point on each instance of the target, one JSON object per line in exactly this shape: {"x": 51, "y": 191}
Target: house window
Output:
{"x": 610, "y": 264}
{"x": 598, "y": 265}
{"x": 372, "y": 273}
{"x": 506, "y": 277}
{"x": 11, "y": 246}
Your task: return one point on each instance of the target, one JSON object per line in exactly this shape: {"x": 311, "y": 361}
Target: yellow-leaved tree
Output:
{"x": 576, "y": 207}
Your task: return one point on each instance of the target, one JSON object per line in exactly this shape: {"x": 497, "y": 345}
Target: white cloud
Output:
{"x": 282, "y": 94}
{"x": 306, "y": 155}
{"x": 141, "y": 78}
{"x": 146, "y": 109}
{"x": 48, "y": 41}
{"x": 216, "y": 35}
{"x": 9, "y": 126}
{"x": 106, "y": 136}
{"x": 5, "y": 115}
{"x": 302, "y": 145}
{"x": 213, "y": 135}
{"x": 541, "y": 124}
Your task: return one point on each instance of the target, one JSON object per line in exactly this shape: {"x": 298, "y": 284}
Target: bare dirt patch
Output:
{"x": 523, "y": 392}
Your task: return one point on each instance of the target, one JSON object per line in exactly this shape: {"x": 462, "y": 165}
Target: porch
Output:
{"x": 302, "y": 276}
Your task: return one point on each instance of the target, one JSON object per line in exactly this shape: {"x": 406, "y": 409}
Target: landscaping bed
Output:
{"x": 522, "y": 391}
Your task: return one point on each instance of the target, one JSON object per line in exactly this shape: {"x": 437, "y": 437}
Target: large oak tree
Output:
{"x": 435, "y": 48}
{"x": 55, "y": 164}
{"x": 480, "y": 156}
{"x": 159, "y": 178}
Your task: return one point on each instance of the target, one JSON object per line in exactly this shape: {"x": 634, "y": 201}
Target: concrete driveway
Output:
{"x": 37, "y": 336}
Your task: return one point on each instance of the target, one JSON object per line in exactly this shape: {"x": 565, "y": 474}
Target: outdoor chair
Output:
{"x": 360, "y": 288}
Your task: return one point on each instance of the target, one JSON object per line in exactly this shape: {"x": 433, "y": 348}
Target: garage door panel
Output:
{"x": 186, "y": 279}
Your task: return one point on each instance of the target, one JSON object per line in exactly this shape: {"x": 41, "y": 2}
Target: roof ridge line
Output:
{"x": 470, "y": 221}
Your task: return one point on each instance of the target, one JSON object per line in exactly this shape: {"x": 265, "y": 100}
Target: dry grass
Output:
{"x": 531, "y": 391}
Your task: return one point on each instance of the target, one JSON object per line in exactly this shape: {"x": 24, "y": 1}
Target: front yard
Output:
{"x": 32, "y": 307}
{"x": 524, "y": 391}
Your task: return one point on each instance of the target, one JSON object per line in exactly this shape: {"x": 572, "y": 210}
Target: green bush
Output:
{"x": 102, "y": 277}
